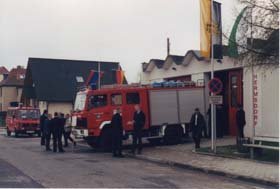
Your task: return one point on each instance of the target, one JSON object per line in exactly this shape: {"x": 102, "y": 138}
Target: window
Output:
{"x": 97, "y": 101}
{"x": 21, "y": 76}
{"x": 116, "y": 99}
{"x": 132, "y": 98}
{"x": 234, "y": 91}
{"x": 79, "y": 79}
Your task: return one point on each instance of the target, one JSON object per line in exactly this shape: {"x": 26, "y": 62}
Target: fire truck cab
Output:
{"x": 23, "y": 120}
{"x": 168, "y": 111}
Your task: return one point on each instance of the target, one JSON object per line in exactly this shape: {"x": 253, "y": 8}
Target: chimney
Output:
{"x": 168, "y": 46}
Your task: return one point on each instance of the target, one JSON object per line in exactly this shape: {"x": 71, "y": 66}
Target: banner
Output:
{"x": 217, "y": 30}
{"x": 205, "y": 28}
{"x": 93, "y": 79}
{"x": 120, "y": 76}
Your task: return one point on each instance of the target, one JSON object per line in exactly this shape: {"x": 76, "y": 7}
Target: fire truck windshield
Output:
{"x": 28, "y": 114}
{"x": 80, "y": 102}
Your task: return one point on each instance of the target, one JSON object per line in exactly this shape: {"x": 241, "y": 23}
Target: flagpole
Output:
{"x": 99, "y": 76}
{"x": 213, "y": 109}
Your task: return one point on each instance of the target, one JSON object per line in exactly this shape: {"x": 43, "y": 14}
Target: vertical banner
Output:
{"x": 217, "y": 30}
{"x": 120, "y": 76}
{"x": 205, "y": 28}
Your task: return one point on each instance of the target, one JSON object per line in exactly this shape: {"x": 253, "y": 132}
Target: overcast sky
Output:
{"x": 126, "y": 31}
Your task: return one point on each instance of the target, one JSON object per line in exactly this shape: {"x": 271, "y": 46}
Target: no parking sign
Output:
{"x": 215, "y": 86}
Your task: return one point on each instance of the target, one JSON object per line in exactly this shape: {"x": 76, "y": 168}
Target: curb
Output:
{"x": 201, "y": 169}
{"x": 231, "y": 157}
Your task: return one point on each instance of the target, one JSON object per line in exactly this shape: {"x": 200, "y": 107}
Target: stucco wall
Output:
{"x": 9, "y": 94}
{"x": 59, "y": 107}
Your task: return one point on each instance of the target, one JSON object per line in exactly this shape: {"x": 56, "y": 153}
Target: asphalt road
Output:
{"x": 24, "y": 163}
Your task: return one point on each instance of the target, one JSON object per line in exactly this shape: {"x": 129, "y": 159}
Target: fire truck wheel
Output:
{"x": 105, "y": 142}
{"x": 173, "y": 134}
{"x": 8, "y": 132}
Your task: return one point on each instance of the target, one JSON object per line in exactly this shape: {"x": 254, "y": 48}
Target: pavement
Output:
{"x": 183, "y": 156}
{"x": 83, "y": 167}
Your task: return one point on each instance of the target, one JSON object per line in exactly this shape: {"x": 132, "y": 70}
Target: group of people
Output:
{"x": 138, "y": 123}
{"x": 198, "y": 124}
{"x": 55, "y": 127}
{"x": 60, "y": 125}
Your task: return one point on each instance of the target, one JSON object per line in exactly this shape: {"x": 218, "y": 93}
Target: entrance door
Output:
{"x": 235, "y": 98}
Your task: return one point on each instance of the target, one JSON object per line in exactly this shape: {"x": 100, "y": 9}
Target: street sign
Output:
{"x": 215, "y": 86}
{"x": 216, "y": 99}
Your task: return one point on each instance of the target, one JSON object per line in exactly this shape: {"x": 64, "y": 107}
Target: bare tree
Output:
{"x": 257, "y": 37}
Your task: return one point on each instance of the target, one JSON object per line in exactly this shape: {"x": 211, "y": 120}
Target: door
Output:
{"x": 235, "y": 98}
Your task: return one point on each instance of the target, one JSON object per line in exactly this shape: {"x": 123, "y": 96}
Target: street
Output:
{"x": 24, "y": 163}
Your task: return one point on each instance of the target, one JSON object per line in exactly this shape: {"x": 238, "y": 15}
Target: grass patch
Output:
{"x": 231, "y": 151}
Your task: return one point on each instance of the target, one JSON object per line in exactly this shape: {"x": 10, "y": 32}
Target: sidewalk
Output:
{"x": 182, "y": 156}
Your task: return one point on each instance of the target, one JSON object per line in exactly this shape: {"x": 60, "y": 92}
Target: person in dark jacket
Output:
{"x": 197, "y": 123}
{"x": 47, "y": 131}
{"x": 43, "y": 117}
{"x": 57, "y": 131}
{"x": 117, "y": 129}
{"x": 138, "y": 122}
{"x": 240, "y": 121}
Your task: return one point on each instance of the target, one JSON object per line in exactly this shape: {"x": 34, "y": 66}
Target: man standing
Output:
{"x": 47, "y": 131}
{"x": 43, "y": 117}
{"x": 138, "y": 124}
{"x": 197, "y": 123}
{"x": 240, "y": 121}
{"x": 57, "y": 129}
{"x": 117, "y": 128}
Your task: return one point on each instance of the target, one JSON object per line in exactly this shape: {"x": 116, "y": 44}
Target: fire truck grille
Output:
{"x": 82, "y": 123}
{"x": 28, "y": 126}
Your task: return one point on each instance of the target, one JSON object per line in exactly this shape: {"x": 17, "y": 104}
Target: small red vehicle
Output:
{"x": 167, "y": 109}
{"x": 23, "y": 120}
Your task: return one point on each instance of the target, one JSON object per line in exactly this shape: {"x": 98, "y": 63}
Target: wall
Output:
{"x": 64, "y": 107}
{"x": 262, "y": 106}
{"x": 9, "y": 94}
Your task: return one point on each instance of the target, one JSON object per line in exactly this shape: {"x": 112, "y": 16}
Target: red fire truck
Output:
{"x": 23, "y": 120}
{"x": 168, "y": 110}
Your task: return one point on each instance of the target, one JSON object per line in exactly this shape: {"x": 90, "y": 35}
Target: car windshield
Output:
{"x": 80, "y": 102}
{"x": 28, "y": 114}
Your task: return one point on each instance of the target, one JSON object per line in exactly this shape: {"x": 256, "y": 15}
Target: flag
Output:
{"x": 232, "y": 45}
{"x": 205, "y": 28}
{"x": 120, "y": 76}
{"x": 217, "y": 30}
{"x": 93, "y": 79}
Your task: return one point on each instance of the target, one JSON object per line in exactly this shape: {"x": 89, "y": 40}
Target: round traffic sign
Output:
{"x": 215, "y": 86}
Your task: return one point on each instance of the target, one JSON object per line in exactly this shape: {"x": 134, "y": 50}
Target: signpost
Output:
{"x": 215, "y": 86}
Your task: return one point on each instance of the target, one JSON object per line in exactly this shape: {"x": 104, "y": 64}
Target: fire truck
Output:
{"x": 23, "y": 120}
{"x": 168, "y": 108}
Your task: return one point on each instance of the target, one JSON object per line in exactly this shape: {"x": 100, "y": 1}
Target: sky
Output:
{"x": 125, "y": 31}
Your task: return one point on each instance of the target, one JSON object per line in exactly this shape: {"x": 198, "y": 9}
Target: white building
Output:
{"x": 257, "y": 91}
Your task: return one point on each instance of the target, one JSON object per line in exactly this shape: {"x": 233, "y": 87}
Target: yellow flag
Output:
{"x": 205, "y": 28}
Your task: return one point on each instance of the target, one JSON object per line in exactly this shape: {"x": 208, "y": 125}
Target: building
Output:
{"x": 11, "y": 88}
{"x": 3, "y": 73}
{"x": 256, "y": 88}
{"x": 52, "y": 83}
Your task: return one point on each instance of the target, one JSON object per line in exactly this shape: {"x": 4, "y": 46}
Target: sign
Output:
{"x": 215, "y": 86}
{"x": 217, "y": 99}
{"x": 255, "y": 100}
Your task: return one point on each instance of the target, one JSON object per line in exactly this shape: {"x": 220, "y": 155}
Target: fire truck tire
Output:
{"x": 173, "y": 134}
{"x": 105, "y": 140}
{"x": 8, "y": 132}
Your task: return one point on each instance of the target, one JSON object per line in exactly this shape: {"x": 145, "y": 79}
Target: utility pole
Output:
{"x": 168, "y": 46}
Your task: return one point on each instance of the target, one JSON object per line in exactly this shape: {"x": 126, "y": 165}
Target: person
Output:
{"x": 197, "y": 122}
{"x": 47, "y": 131}
{"x": 68, "y": 131}
{"x": 138, "y": 122}
{"x": 43, "y": 117}
{"x": 240, "y": 121}
{"x": 117, "y": 129}
{"x": 57, "y": 130}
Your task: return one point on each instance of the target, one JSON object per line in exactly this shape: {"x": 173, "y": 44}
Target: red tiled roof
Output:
{"x": 3, "y": 70}
{"x": 15, "y": 78}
